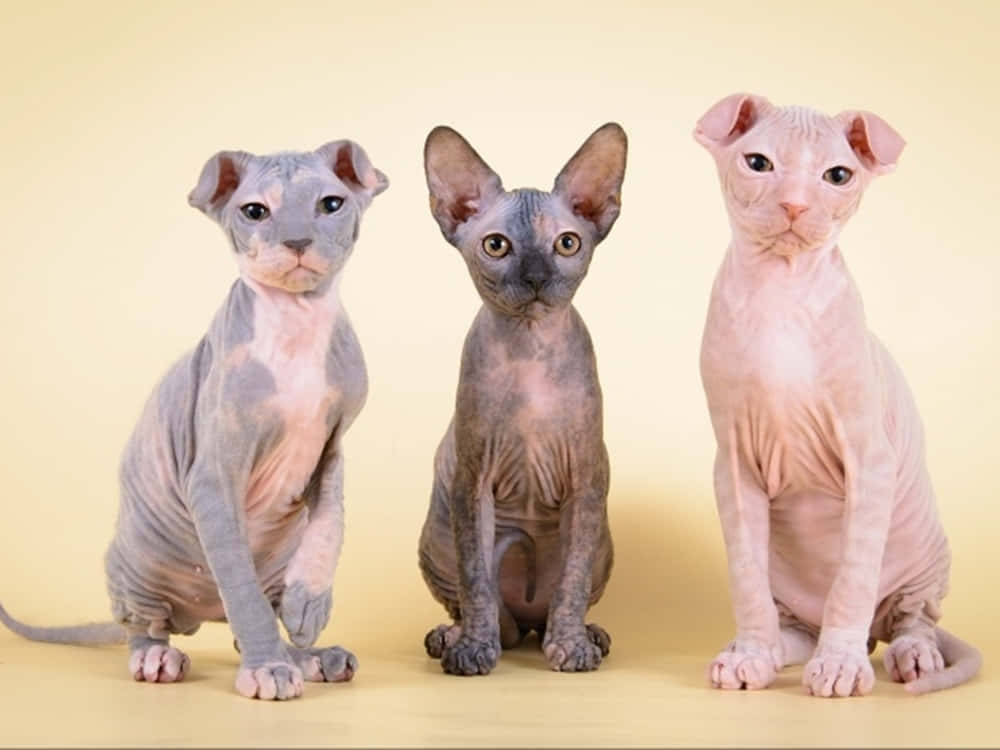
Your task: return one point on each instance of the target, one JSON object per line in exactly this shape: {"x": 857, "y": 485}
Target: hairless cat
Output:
{"x": 516, "y": 537}
{"x": 232, "y": 482}
{"x": 826, "y": 505}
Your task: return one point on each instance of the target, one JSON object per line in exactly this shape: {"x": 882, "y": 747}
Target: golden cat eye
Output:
{"x": 567, "y": 243}
{"x": 838, "y": 175}
{"x": 758, "y": 162}
{"x": 255, "y": 211}
{"x": 496, "y": 245}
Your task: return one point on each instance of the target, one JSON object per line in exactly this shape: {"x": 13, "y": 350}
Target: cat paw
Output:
{"x": 575, "y": 652}
{"x": 600, "y": 638}
{"x": 469, "y": 656}
{"x": 838, "y": 672}
{"x": 303, "y": 614}
{"x": 440, "y": 638}
{"x": 274, "y": 680}
{"x": 158, "y": 662}
{"x": 333, "y": 664}
{"x": 907, "y": 658}
{"x": 743, "y": 665}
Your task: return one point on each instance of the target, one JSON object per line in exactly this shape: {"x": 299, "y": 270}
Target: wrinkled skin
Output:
{"x": 232, "y": 481}
{"x": 516, "y": 537}
{"x": 827, "y": 510}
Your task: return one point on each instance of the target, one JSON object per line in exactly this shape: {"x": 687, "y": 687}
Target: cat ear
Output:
{"x": 730, "y": 118}
{"x": 874, "y": 141}
{"x": 461, "y": 184}
{"x": 219, "y": 179}
{"x": 591, "y": 181}
{"x": 351, "y": 164}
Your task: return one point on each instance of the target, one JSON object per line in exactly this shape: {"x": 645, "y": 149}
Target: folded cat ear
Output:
{"x": 461, "y": 184}
{"x": 591, "y": 181}
{"x": 874, "y": 141}
{"x": 352, "y": 166}
{"x": 730, "y": 118}
{"x": 219, "y": 179}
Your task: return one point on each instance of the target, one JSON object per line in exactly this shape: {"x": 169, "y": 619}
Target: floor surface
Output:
{"x": 59, "y": 696}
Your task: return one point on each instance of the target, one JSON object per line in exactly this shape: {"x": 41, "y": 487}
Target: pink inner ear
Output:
{"x": 463, "y": 207}
{"x": 343, "y": 167}
{"x": 730, "y": 118}
{"x": 874, "y": 141}
{"x": 858, "y": 138}
{"x": 228, "y": 180}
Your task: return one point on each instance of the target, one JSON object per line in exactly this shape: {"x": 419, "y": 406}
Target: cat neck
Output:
{"x": 545, "y": 329}
{"x": 323, "y": 302}
{"x": 750, "y": 259}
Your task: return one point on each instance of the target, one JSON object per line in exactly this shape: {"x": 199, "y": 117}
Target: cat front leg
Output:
{"x": 308, "y": 595}
{"x": 569, "y": 644}
{"x": 216, "y": 505}
{"x": 477, "y": 648}
{"x": 751, "y": 661}
{"x": 841, "y": 665}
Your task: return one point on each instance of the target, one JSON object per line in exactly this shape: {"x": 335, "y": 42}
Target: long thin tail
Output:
{"x": 510, "y": 634}
{"x": 962, "y": 662}
{"x": 91, "y": 634}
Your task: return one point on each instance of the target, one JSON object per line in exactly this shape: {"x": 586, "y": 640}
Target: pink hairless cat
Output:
{"x": 826, "y": 505}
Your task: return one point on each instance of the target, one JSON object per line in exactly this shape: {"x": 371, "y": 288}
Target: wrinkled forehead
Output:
{"x": 284, "y": 179}
{"x": 799, "y": 134}
{"x": 526, "y": 215}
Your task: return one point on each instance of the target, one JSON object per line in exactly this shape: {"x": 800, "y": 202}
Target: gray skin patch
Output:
{"x": 218, "y": 497}
{"x": 516, "y": 536}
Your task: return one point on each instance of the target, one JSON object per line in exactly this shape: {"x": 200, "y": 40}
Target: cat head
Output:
{"x": 293, "y": 217}
{"x": 527, "y": 250}
{"x": 792, "y": 177}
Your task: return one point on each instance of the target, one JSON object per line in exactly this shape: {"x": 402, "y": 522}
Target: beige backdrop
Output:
{"x": 106, "y": 276}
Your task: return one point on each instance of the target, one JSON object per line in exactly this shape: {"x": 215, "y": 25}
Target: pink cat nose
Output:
{"x": 793, "y": 210}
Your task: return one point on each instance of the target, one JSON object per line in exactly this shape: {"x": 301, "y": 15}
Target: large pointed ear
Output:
{"x": 461, "y": 184}
{"x": 219, "y": 179}
{"x": 873, "y": 140}
{"x": 730, "y": 118}
{"x": 352, "y": 166}
{"x": 591, "y": 181}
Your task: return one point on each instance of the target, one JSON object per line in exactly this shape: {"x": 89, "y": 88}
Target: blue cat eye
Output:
{"x": 330, "y": 204}
{"x": 758, "y": 162}
{"x": 255, "y": 211}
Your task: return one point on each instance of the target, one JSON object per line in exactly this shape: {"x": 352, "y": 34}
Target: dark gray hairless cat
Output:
{"x": 517, "y": 538}
{"x": 232, "y": 482}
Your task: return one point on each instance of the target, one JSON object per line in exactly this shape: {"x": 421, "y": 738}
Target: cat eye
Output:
{"x": 496, "y": 245}
{"x": 567, "y": 243}
{"x": 758, "y": 162}
{"x": 255, "y": 211}
{"x": 330, "y": 204}
{"x": 838, "y": 175}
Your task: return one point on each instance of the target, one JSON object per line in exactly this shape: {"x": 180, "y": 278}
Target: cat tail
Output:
{"x": 962, "y": 662}
{"x": 510, "y": 632}
{"x": 91, "y": 634}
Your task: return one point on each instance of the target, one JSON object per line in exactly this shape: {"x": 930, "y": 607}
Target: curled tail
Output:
{"x": 510, "y": 633}
{"x": 92, "y": 634}
{"x": 962, "y": 661}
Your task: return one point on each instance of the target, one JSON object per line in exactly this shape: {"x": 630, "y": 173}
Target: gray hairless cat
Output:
{"x": 517, "y": 538}
{"x": 232, "y": 482}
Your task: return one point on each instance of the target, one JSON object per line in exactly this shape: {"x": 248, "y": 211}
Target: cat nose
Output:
{"x": 298, "y": 246}
{"x": 793, "y": 210}
{"x": 535, "y": 272}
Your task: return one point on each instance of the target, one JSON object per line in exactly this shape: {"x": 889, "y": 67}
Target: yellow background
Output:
{"x": 106, "y": 276}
